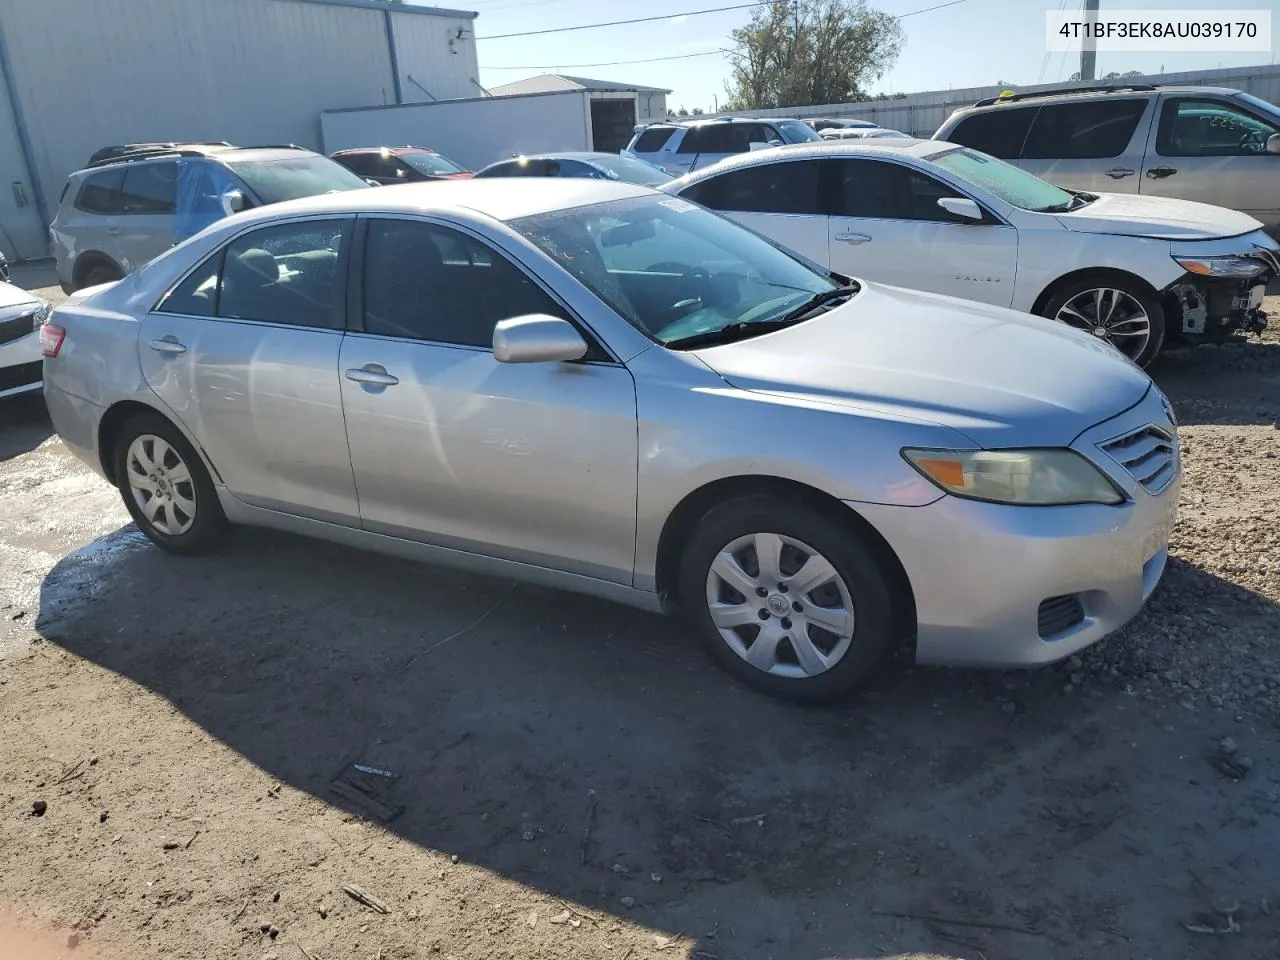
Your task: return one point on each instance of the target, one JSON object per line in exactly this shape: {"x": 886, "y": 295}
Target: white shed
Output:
{"x": 77, "y": 75}
{"x": 650, "y": 102}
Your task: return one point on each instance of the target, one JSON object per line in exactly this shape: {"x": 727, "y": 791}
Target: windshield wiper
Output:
{"x": 1077, "y": 201}
{"x": 745, "y": 329}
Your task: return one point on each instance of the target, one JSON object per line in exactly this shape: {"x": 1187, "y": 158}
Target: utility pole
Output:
{"x": 1089, "y": 46}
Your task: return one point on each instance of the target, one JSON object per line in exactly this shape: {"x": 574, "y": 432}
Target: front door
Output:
{"x": 244, "y": 352}
{"x": 887, "y": 227}
{"x": 529, "y": 462}
{"x": 1214, "y": 150}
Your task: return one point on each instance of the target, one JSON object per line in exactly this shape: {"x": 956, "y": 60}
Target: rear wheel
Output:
{"x": 1116, "y": 310}
{"x": 99, "y": 274}
{"x": 791, "y": 600}
{"x": 166, "y": 488}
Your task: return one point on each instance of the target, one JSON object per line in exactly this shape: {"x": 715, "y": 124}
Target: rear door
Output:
{"x": 1213, "y": 150}
{"x": 887, "y": 226}
{"x": 244, "y": 352}
{"x": 534, "y": 462}
{"x": 93, "y": 223}
{"x": 1093, "y": 144}
{"x": 783, "y": 201}
{"x": 148, "y": 198}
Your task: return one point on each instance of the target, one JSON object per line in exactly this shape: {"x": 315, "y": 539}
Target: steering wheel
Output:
{"x": 696, "y": 279}
{"x": 1253, "y": 141}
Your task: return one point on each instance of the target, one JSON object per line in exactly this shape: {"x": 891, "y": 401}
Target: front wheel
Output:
{"x": 791, "y": 600}
{"x": 166, "y": 488}
{"x": 1116, "y": 310}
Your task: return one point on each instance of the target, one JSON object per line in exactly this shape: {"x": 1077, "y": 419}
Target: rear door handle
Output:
{"x": 168, "y": 344}
{"x": 853, "y": 238}
{"x": 1119, "y": 173}
{"x": 1159, "y": 173}
{"x": 373, "y": 374}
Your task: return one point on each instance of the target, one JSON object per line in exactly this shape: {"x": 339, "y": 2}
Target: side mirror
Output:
{"x": 961, "y": 207}
{"x": 537, "y": 338}
{"x": 233, "y": 201}
{"x": 1273, "y": 143}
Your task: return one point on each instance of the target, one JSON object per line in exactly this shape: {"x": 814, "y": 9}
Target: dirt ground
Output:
{"x": 577, "y": 782}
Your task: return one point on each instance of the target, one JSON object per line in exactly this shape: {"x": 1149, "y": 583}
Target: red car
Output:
{"x": 399, "y": 164}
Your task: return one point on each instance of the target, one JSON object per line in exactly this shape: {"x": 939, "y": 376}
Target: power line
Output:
{"x": 621, "y": 23}
{"x": 613, "y": 63}
{"x": 669, "y": 16}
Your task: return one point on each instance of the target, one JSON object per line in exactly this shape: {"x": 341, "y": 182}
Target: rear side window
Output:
{"x": 999, "y": 131}
{"x": 100, "y": 192}
{"x": 1089, "y": 128}
{"x": 653, "y": 139}
{"x": 150, "y": 188}
{"x": 791, "y": 187}
{"x": 363, "y": 164}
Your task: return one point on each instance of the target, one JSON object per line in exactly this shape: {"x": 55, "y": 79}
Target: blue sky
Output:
{"x": 974, "y": 43}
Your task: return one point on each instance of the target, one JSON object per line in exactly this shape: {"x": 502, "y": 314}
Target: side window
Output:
{"x": 693, "y": 140}
{"x": 361, "y": 164}
{"x": 289, "y": 274}
{"x": 889, "y": 191}
{"x": 653, "y": 139}
{"x": 1090, "y": 128}
{"x": 196, "y": 296}
{"x": 423, "y": 281}
{"x": 1192, "y": 127}
{"x": 999, "y": 131}
{"x": 790, "y": 187}
{"x": 100, "y": 192}
{"x": 150, "y": 188}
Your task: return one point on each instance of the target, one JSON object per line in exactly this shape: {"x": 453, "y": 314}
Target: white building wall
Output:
{"x": 90, "y": 73}
{"x": 430, "y": 51}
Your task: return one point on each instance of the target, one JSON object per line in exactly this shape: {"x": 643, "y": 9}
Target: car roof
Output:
{"x": 567, "y": 155}
{"x": 501, "y": 199}
{"x": 394, "y": 151}
{"x": 810, "y": 149}
{"x": 224, "y": 153}
{"x": 1036, "y": 98}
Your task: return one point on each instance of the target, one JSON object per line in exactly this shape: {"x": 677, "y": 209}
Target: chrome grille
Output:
{"x": 1149, "y": 454}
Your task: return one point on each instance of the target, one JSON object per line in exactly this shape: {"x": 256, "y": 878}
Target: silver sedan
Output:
{"x": 601, "y": 388}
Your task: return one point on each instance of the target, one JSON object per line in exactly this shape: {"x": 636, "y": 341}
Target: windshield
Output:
{"x": 432, "y": 164}
{"x": 1268, "y": 109}
{"x": 673, "y": 269}
{"x": 632, "y": 171}
{"x": 274, "y": 181}
{"x": 1006, "y": 181}
{"x": 797, "y": 131}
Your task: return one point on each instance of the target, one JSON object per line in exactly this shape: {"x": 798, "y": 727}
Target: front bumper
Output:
{"x": 980, "y": 572}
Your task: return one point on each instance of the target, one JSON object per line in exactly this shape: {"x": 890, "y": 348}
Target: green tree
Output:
{"x": 800, "y": 52}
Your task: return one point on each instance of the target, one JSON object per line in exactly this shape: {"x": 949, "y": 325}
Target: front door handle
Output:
{"x": 114, "y": 231}
{"x": 1159, "y": 173}
{"x": 373, "y": 374}
{"x": 853, "y": 238}
{"x": 1119, "y": 173}
{"x": 168, "y": 344}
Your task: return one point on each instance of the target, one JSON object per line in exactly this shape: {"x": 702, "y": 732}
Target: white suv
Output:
{"x": 681, "y": 147}
{"x": 934, "y": 216}
{"x": 136, "y": 202}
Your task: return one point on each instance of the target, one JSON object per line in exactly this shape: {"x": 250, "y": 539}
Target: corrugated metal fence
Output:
{"x": 920, "y": 114}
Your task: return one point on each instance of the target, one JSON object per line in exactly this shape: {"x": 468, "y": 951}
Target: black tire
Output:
{"x": 878, "y": 616}
{"x": 208, "y": 525}
{"x": 1131, "y": 286}
{"x": 99, "y": 274}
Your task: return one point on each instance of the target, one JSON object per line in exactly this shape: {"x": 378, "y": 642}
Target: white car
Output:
{"x": 1133, "y": 270}
{"x": 21, "y": 315}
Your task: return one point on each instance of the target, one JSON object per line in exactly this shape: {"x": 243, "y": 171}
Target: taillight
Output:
{"x": 51, "y": 337}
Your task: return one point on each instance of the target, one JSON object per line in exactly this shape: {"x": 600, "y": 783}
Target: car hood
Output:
{"x": 11, "y": 296}
{"x": 1163, "y": 218}
{"x": 1000, "y": 377}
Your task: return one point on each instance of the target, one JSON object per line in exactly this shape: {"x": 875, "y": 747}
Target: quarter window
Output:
{"x": 423, "y": 281}
{"x": 999, "y": 131}
{"x": 1088, "y": 129}
{"x": 878, "y": 190}
{"x": 791, "y": 187}
{"x": 1210, "y": 128}
{"x": 101, "y": 192}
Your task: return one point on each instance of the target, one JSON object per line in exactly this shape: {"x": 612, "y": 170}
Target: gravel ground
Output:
{"x": 577, "y": 782}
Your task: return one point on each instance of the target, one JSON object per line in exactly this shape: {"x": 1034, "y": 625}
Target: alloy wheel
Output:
{"x": 1111, "y": 315}
{"x": 161, "y": 484}
{"x": 780, "y": 605}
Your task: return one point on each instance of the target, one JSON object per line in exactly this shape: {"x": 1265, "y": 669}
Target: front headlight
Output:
{"x": 40, "y": 314}
{"x": 1237, "y": 267}
{"x": 1025, "y": 477}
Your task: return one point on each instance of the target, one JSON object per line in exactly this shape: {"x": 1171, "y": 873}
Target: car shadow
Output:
{"x": 24, "y": 425}
{"x": 1236, "y": 383}
{"x": 577, "y": 747}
